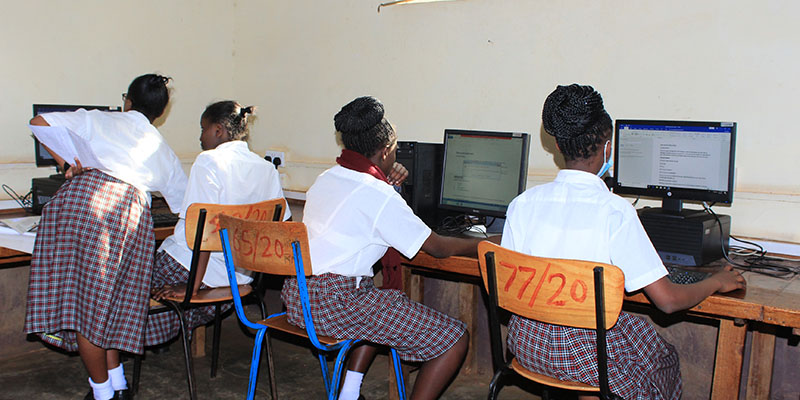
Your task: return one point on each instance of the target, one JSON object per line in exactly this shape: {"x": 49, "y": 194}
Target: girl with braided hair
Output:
{"x": 576, "y": 217}
{"x": 226, "y": 172}
{"x": 354, "y": 218}
{"x": 92, "y": 260}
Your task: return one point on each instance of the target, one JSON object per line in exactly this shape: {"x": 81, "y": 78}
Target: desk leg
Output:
{"x": 762, "y": 355}
{"x": 728, "y": 361}
{"x": 467, "y": 312}
{"x": 199, "y": 342}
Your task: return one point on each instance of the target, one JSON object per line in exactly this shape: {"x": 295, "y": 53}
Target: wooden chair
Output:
{"x": 281, "y": 248}
{"x": 554, "y": 291}
{"x": 202, "y": 234}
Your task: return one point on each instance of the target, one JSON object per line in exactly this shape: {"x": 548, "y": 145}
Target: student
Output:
{"x": 576, "y": 217}
{"x": 226, "y": 172}
{"x": 92, "y": 260}
{"x": 353, "y": 216}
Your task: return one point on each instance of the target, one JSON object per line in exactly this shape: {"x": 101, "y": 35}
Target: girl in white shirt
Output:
{"x": 226, "y": 172}
{"x": 576, "y": 217}
{"x": 92, "y": 260}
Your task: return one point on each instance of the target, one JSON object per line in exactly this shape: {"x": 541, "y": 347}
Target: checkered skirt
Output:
{"x": 383, "y": 316}
{"x": 641, "y": 364}
{"x": 165, "y": 326}
{"x": 91, "y": 265}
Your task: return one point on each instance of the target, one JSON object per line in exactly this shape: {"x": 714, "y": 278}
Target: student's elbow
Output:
{"x": 38, "y": 121}
{"x": 437, "y": 246}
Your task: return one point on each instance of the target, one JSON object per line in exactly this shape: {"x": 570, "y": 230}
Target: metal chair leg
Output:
{"x": 137, "y": 371}
{"x": 273, "y": 386}
{"x": 217, "y": 334}
{"x": 187, "y": 351}
{"x": 496, "y": 385}
{"x": 398, "y": 372}
{"x": 254, "y": 363}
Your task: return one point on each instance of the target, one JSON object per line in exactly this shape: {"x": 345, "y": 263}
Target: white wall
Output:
{"x": 482, "y": 64}
{"x": 473, "y": 64}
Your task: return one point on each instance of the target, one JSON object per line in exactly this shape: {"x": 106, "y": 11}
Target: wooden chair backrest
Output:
{"x": 262, "y": 211}
{"x": 551, "y": 290}
{"x": 265, "y": 246}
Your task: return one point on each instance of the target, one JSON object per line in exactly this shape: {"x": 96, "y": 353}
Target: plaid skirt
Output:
{"x": 382, "y": 316}
{"x": 91, "y": 265}
{"x": 164, "y": 326}
{"x": 641, "y": 364}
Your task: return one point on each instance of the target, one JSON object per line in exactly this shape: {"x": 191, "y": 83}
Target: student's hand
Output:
{"x": 75, "y": 170}
{"x": 729, "y": 279}
{"x": 174, "y": 291}
{"x": 398, "y": 174}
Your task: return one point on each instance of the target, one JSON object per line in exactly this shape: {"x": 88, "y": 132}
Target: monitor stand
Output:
{"x": 672, "y": 208}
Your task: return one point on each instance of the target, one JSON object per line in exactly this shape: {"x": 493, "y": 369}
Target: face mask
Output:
{"x": 607, "y": 162}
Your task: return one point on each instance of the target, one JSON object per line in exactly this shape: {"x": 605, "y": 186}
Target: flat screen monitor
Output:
{"x": 483, "y": 171}
{"x": 43, "y": 158}
{"x": 675, "y": 161}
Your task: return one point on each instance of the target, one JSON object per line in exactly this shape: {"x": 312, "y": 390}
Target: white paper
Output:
{"x": 21, "y": 224}
{"x": 67, "y": 145}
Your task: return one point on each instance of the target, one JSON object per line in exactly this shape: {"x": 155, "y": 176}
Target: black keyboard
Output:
{"x": 684, "y": 277}
{"x": 161, "y": 220}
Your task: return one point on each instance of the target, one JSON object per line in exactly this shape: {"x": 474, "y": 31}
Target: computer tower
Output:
{"x": 43, "y": 189}
{"x": 421, "y": 189}
{"x": 687, "y": 240}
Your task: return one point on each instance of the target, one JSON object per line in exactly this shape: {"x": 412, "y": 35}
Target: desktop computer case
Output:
{"x": 690, "y": 241}
{"x": 43, "y": 190}
{"x": 421, "y": 189}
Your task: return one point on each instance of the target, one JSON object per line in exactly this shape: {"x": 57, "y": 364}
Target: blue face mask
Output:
{"x": 607, "y": 162}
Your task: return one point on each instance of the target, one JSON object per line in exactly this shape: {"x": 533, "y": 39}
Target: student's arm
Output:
{"x": 670, "y": 297}
{"x": 39, "y": 121}
{"x": 445, "y": 246}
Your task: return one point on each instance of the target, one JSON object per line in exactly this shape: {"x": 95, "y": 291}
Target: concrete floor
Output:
{"x": 50, "y": 374}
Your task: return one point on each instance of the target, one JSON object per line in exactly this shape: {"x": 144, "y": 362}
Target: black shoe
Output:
{"x": 123, "y": 394}
{"x": 90, "y": 395}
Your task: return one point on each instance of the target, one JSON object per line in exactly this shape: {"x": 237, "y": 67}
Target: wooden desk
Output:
{"x": 768, "y": 300}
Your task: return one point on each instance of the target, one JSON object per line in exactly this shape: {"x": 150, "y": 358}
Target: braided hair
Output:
{"x": 362, "y": 127}
{"x": 231, "y": 115}
{"x": 149, "y": 95}
{"x": 575, "y": 115}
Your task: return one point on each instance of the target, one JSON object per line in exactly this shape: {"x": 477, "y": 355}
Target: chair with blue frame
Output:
{"x": 554, "y": 291}
{"x": 281, "y": 248}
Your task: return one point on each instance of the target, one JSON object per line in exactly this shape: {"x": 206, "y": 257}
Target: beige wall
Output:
{"x": 473, "y": 64}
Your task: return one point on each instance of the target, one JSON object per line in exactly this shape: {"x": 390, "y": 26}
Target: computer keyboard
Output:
{"x": 161, "y": 220}
{"x": 684, "y": 277}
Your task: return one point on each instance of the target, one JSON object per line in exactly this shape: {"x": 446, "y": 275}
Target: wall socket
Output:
{"x": 275, "y": 157}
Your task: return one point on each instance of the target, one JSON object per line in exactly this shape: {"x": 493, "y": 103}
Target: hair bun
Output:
{"x": 359, "y": 115}
{"x": 246, "y": 110}
{"x": 569, "y": 110}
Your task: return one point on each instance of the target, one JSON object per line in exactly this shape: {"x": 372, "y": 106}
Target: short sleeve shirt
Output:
{"x": 577, "y": 217}
{"x": 130, "y": 149}
{"x": 353, "y": 218}
{"x": 228, "y": 174}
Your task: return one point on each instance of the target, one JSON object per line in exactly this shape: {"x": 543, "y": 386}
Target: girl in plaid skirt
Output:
{"x": 92, "y": 260}
{"x": 576, "y": 217}
{"x": 355, "y": 218}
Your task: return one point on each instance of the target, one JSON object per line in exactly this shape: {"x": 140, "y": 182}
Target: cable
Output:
{"x": 25, "y": 202}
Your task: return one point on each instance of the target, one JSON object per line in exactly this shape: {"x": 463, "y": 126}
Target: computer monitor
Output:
{"x": 483, "y": 171}
{"x": 675, "y": 161}
{"x": 43, "y": 158}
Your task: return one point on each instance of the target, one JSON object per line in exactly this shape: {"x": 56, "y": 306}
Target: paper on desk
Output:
{"x": 21, "y": 224}
{"x": 67, "y": 144}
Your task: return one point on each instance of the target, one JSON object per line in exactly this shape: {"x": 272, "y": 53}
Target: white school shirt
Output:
{"x": 228, "y": 174}
{"x": 353, "y": 218}
{"x": 577, "y": 217}
{"x": 130, "y": 149}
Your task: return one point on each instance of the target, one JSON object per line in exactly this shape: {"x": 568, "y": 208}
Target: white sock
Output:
{"x": 351, "y": 387}
{"x": 102, "y": 391}
{"x": 117, "y": 378}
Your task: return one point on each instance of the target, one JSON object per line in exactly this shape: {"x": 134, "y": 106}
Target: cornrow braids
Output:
{"x": 575, "y": 116}
{"x": 363, "y": 127}
{"x": 232, "y": 116}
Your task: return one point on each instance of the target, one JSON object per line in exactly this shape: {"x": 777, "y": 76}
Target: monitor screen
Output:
{"x": 483, "y": 171}
{"x": 675, "y": 160}
{"x": 43, "y": 158}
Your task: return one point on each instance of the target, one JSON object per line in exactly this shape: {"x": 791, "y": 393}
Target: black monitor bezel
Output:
{"x": 43, "y": 158}
{"x": 677, "y": 193}
{"x": 522, "y": 179}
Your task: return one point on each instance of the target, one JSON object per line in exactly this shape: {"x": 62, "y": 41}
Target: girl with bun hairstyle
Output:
{"x": 355, "y": 218}
{"x": 576, "y": 217}
{"x": 93, "y": 257}
{"x": 226, "y": 172}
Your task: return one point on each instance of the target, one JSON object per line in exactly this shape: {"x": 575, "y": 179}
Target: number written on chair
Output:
{"x": 558, "y": 280}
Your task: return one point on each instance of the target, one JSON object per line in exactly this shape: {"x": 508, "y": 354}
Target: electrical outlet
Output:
{"x": 275, "y": 157}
